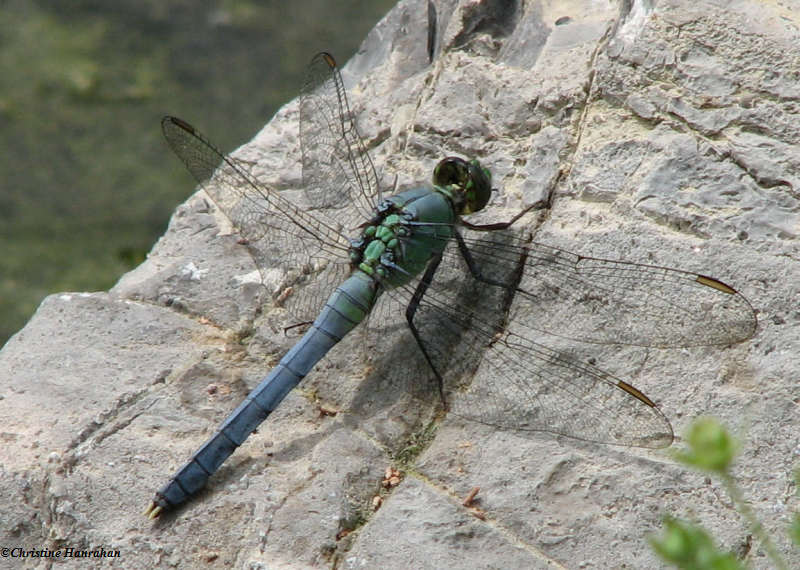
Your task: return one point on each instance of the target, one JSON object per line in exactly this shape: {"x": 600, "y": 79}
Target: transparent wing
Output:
{"x": 603, "y": 301}
{"x": 337, "y": 170}
{"x": 486, "y": 339}
{"x": 338, "y": 175}
{"x": 511, "y": 382}
{"x": 295, "y": 247}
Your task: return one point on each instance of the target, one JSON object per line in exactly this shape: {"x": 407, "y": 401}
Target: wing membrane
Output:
{"x": 604, "y": 301}
{"x": 337, "y": 170}
{"x": 278, "y": 233}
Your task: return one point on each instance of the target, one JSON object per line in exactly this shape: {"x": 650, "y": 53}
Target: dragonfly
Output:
{"x": 473, "y": 297}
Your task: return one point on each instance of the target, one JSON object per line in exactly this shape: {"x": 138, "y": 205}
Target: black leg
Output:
{"x": 511, "y": 287}
{"x": 296, "y": 325}
{"x": 474, "y": 269}
{"x": 540, "y": 205}
{"x": 411, "y": 310}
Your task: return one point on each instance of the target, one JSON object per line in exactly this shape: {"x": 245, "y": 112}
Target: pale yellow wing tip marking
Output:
{"x": 329, "y": 59}
{"x": 152, "y": 511}
{"x": 718, "y": 285}
{"x": 636, "y": 393}
{"x": 660, "y": 440}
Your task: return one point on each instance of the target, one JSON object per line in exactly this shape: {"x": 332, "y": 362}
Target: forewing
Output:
{"x": 337, "y": 170}
{"x": 614, "y": 302}
{"x": 291, "y": 247}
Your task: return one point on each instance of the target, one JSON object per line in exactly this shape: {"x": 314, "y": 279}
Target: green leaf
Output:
{"x": 711, "y": 447}
{"x": 690, "y": 547}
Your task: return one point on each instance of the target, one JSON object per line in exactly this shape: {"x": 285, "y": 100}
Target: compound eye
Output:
{"x": 470, "y": 183}
{"x": 479, "y": 188}
{"x": 451, "y": 171}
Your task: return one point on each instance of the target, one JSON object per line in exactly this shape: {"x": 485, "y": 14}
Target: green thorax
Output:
{"x": 408, "y": 229}
{"x": 411, "y": 227}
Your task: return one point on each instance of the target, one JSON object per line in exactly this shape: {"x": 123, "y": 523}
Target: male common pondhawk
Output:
{"x": 378, "y": 255}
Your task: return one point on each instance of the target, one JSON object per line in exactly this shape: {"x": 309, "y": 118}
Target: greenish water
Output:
{"x": 86, "y": 183}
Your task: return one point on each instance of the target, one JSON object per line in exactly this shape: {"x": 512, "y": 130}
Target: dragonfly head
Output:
{"x": 468, "y": 183}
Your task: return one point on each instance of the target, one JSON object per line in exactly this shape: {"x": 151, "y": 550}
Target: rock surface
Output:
{"x": 664, "y": 132}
